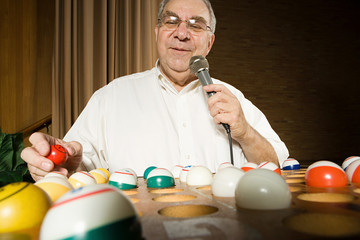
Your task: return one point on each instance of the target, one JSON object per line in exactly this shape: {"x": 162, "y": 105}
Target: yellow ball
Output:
{"x": 22, "y": 206}
{"x": 80, "y": 179}
{"x": 106, "y": 172}
{"x": 55, "y": 187}
{"x": 99, "y": 176}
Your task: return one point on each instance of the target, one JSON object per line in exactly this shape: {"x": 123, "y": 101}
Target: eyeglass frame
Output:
{"x": 196, "y": 18}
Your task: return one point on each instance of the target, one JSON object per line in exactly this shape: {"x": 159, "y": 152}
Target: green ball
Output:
{"x": 160, "y": 182}
{"x": 148, "y": 170}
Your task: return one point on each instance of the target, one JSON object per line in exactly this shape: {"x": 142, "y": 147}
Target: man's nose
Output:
{"x": 182, "y": 32}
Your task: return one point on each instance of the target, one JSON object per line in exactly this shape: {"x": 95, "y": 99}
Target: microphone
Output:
{"x": 200, "y": 67}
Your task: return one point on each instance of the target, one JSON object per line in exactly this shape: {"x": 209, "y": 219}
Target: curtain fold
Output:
{"x": 96, "y": 41}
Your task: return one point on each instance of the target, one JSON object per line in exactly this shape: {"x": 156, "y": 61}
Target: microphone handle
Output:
{"x": 205, "y": 80}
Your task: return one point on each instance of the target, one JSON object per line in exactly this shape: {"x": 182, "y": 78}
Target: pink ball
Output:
{"x": 353, "y": 172}
{"x": 325, "y": 174}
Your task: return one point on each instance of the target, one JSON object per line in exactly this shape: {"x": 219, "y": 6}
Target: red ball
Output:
{"x": 325, "y": 174}
{"x": 58, "y": 154}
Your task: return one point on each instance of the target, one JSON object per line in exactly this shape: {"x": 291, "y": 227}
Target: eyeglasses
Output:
{"x": 194, "y": 25}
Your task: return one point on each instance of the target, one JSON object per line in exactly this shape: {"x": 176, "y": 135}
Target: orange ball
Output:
{"x": 22, "y": 206}
{"x": 324, "y": 174}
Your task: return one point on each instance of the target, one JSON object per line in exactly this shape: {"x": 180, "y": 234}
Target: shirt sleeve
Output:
{"x": 259, "y": 122}
{"x": 88, "y": 131}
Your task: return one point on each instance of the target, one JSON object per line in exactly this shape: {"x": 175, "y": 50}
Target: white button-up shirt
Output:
{"x": 141, "y": 120}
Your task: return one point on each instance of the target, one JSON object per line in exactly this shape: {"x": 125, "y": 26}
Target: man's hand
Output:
{"x": 39, "y": 165}
{"x": 224, "y": 107}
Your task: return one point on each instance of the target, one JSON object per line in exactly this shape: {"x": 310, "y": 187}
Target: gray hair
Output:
{"x": 208, "y": 5}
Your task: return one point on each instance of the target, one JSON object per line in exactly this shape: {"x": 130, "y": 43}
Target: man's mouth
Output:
{"x": 180, "y": 49}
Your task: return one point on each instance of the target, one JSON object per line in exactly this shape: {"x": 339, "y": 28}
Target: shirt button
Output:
{"x": 184, "y": 125}
{"x": 187, "y": 156}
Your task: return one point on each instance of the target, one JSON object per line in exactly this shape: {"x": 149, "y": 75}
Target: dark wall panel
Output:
{"x": 299, "y": 62}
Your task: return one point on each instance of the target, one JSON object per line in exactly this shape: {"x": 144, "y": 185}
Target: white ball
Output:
{"x": 94, "y": 211}
{"x": 262, "y": 189}
{"x": 270, "y": 166}
{"x": 176, "y": 170}
{"x": 225, "y": 181}
{"x": 130, "y": 170}
{"x": 353, "y": 172}
{"x": 56, "y": 174}
{"x": 199, "y": 176}
{"x": 184, "y": 173}
{"x": 224, "y": 165}
{"x": 348, "y": 161}
{"x": 80, "y": 179}
{"x": 123, "y": 180}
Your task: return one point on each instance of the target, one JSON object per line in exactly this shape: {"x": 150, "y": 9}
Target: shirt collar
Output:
{"x": 167, "y": 86}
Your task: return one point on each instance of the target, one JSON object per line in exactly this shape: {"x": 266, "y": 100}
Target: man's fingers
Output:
{"x": 33, "y": 158}
{"x": 36, "y": 172}
{"x": 41, "y": 142}
{"x": 73, "y": 148}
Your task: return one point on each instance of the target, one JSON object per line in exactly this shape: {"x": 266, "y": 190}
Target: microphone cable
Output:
{"x": 227, "y": 128}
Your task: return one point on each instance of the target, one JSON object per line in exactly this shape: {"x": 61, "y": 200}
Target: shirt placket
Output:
{"x": 184, "y": 130}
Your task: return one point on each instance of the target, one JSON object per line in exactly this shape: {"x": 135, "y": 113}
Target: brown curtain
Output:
{"x": 95, "y": 42}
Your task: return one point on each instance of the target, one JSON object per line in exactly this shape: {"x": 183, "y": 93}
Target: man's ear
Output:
{"x": 211, "y": 42}
{"x": 156, "y": 32}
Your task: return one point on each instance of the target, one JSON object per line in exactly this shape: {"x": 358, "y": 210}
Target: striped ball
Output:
{"x": 123, "y": 180}
{"x": 291, "y": 164}
{"x": 353, "y": 172}
{"x": 97, "y": 211}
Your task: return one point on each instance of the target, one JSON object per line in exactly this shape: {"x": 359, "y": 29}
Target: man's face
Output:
{"x": 176, "y": 46}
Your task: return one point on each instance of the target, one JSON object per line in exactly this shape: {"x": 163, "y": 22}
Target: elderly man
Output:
{"x": 163, "y": 116}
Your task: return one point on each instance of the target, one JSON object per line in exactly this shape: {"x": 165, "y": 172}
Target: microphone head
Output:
{"x": 198, "y": 63}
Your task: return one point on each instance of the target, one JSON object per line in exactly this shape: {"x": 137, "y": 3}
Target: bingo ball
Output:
{"x": 58, "y": 154}
{"x": 262, "y": 189}
{"x": 270, "y": 166}
{"x": 199, "y": 176}
{"x": 160, "y": 178}
{"x": 22, "y": 206}
{"x": 130, "y": 170}
{"x": 224, "y": 165}
{"x": 56, "y": 174}
{"x": 176, "y": 170}
{"x": 325, "y": 174}
{"x": 100, "y": 176}
{"x": 148, "y": 170}
{"x": 291, "y": 164}
{"x": 248, "y": 166}
{"x": 55, "y": 187}
{"x": 349, "y": 160}
{"x": 123, "y": 180}
{"x": 184, "y": 173}
{"x": 97, "y": 211}
{"x": 106, "y": 172}
{"x": 353, "y": 172}
{"x": 225, "y": 180}
{"x": 80, "y": 179}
